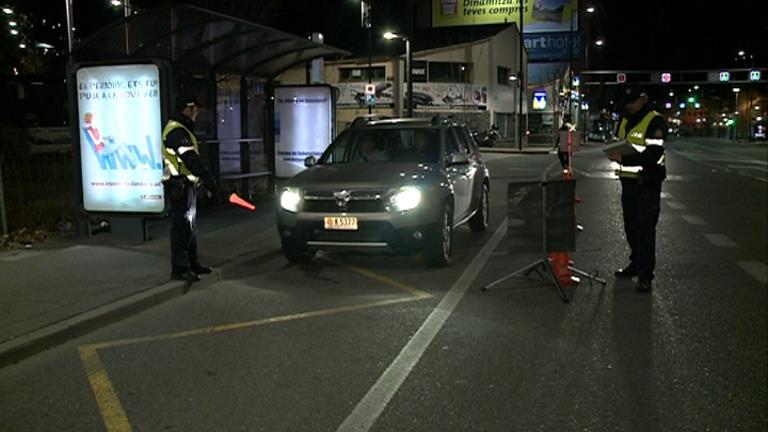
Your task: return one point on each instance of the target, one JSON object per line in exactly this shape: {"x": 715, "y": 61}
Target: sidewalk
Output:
{"x": 67, "y": 287}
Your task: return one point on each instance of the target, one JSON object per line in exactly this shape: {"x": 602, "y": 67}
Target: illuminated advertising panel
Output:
{"x": 538, "y": 15}
{"x": 120, "y": 138}
{"x": 304, "y": 117}
{"x": 540, "y": 100}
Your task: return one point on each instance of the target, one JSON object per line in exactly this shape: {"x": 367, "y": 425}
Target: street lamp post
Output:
{"x": 736, "y": 91}
{"x": 365, "y": 11}
{"x": 520, "y": 81}
{"x": 408, "y": 60}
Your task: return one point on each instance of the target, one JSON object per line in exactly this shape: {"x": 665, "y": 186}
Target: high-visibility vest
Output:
{"x": 172, "y": 163}
{"x": 636, "y": 137}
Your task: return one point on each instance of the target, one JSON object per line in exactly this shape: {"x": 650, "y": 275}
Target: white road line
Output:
{"x": 721, "y": 240}
{"x": 676, "y": 205}
{"x": 758, "y": 270}
{"x": 694, "y": 220}
{"x": 373, "y": 403}
{"x": 666, "y": 195}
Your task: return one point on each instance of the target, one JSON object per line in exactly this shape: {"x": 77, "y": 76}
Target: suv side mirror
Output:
{"x": 310, "y": 161}
{"x": 459, "y": 158}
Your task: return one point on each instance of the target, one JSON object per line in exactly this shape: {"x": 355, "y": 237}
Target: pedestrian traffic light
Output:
{"x": 691, "y": 99}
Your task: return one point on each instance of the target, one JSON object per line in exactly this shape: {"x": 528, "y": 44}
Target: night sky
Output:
{"x": 653, "y": 34}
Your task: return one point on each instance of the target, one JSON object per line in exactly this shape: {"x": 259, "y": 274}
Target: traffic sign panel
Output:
{"x": 621, "y": 77}
{"x": 370, "y": 89}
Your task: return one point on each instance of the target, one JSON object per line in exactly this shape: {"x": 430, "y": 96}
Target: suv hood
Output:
{"x": 364, "y": 176}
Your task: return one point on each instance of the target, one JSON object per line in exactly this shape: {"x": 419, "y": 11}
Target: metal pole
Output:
{"x": 520, "y": 79}
{"x": 3, "y": 220}
{"x": 368, "y": 25}
{"x": 70, "y": 36}
{"x": 408, "y": 61}
{"x": 570, "y": 68}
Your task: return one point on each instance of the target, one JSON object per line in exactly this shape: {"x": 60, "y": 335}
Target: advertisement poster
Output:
{"x": 120, "y": 138}
{"x": 304, "y": 120}
{"x": 352, "y": 94}
{"x": 449, "y": 95}
{"x": 538, "y": 15}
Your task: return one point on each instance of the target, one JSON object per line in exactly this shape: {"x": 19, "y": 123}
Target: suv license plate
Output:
{"x": 341, "y": 223}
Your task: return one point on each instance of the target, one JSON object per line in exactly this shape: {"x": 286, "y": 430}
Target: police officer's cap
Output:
{"x": 632, "y": 93}
{"x": 186, "y": 100}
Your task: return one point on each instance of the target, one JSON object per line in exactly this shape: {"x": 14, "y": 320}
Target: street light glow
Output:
{"x": 741, "y": 52}
{"x": 736, "y": 89}
{"x": 14, "y": 32}
{"x": 8, "y": 11}
{"x": 390, "y": 35}
{"x": 591, "y": 9}
{"x": 115, "y": 2}
{"x": 599, "y": 42}
{"x": 12, "y": 23}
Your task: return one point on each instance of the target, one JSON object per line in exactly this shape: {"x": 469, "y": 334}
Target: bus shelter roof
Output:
{"x": 196, "y": 38}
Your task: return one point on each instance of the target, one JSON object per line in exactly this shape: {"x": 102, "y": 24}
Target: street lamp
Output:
{"x": 408, "y": 60}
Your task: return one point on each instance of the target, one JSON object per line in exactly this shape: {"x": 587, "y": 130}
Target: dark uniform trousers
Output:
{"x": 183, "y": 202}
{"x": 640, "y": 202}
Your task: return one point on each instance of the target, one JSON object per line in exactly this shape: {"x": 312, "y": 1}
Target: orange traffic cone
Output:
{"x": 236, "y": 200}
{"x": 560, "y": 262}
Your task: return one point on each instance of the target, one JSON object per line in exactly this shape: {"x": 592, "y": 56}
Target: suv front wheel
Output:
{"x": 439, "y": 240}
{"x": 296, "y": 253}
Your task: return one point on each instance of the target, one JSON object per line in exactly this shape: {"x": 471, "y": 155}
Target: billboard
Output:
{"x": 304, "y": 120}
{"x": 538, "y": 15}
{"x": 554, "y": 46}
{"x": 120, "y": 138}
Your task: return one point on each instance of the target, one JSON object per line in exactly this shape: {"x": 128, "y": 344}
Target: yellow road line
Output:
{"x": 109, "y": 404}
{"x": 383, "y": 279}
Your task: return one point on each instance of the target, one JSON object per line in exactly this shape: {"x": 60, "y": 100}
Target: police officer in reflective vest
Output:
{"x": 183, "y": 173}
{"x": 641, "y": 175}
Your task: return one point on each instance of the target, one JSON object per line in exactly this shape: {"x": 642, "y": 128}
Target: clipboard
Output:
{"x": 622, "y": 147}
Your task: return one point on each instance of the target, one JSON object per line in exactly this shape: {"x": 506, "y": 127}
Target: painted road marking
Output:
{"x": 721, "y": 240}
{"x": 666, "y": 195}
{"x": 694, "y": 220}
{"x": 373, "y": 403}
{"x": 758, "y": 270}
{"x": 676, "y": 205}
{"x": 109, "y": 404}
{"x": 111, "y": 409}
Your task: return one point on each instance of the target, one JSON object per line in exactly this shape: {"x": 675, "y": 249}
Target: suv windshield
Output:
{"x": 421, "y": 145}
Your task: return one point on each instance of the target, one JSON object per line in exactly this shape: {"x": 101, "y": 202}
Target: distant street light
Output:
{"x": 8, "y": 11}
{"x": 599, "y": 42}
{"x": 590, "y": 9}
{"x": 408, "y": 60}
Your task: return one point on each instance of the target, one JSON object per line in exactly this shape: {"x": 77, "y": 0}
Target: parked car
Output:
{"x": 393, "y": 185}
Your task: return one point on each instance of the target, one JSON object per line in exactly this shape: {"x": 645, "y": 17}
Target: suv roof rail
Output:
{"x": 367, "y": 118}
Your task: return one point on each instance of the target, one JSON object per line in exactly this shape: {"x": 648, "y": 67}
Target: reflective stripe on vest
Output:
{"x": 172, "y": 163}
{"x": 636, "y": 137}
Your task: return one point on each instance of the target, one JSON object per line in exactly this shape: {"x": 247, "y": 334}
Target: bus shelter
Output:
{"x": 124, "y": 79}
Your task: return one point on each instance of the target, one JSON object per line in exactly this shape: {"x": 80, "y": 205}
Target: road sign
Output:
{"x": 370, "y": 100}
{"x": 370, "y": 89}
{"x": 666, "y": 77}
{"x": 725, "y": 76}
{"x": 621, "y": 77}
{"x": 754, "y": 75}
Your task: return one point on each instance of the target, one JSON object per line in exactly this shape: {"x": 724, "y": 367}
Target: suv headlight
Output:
{"x": 407, "y": 198}
{"x": 290, "y": 199}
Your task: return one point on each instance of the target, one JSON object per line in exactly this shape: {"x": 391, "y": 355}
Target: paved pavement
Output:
{"x": 66, "y": 287}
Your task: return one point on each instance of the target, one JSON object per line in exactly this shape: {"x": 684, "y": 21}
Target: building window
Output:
{"x": 503, "y": 75}
{"x": 449, "y": 72}
{"x": 360, "y": 74}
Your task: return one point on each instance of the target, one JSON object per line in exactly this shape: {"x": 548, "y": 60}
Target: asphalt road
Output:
{"x": 380, "y": 343}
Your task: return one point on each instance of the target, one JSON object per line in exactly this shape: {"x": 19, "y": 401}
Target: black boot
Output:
{"x": 186, "y": 275}
{"x": 643, "y": 286}
{"x": 201, "y": 269}
{"x": 626, "y": 272}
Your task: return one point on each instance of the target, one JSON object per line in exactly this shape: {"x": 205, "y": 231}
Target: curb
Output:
{"x": 19, "y": 348}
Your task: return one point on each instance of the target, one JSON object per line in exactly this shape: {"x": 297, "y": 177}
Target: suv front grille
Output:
{"x": 360, "y": 201}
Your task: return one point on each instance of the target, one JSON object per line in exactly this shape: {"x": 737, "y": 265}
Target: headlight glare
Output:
{"x": 407, "y": 198}
{"x": 290, "y": 199}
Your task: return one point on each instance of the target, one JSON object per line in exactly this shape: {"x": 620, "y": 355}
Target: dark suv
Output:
{"x": 392, "y": 185}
